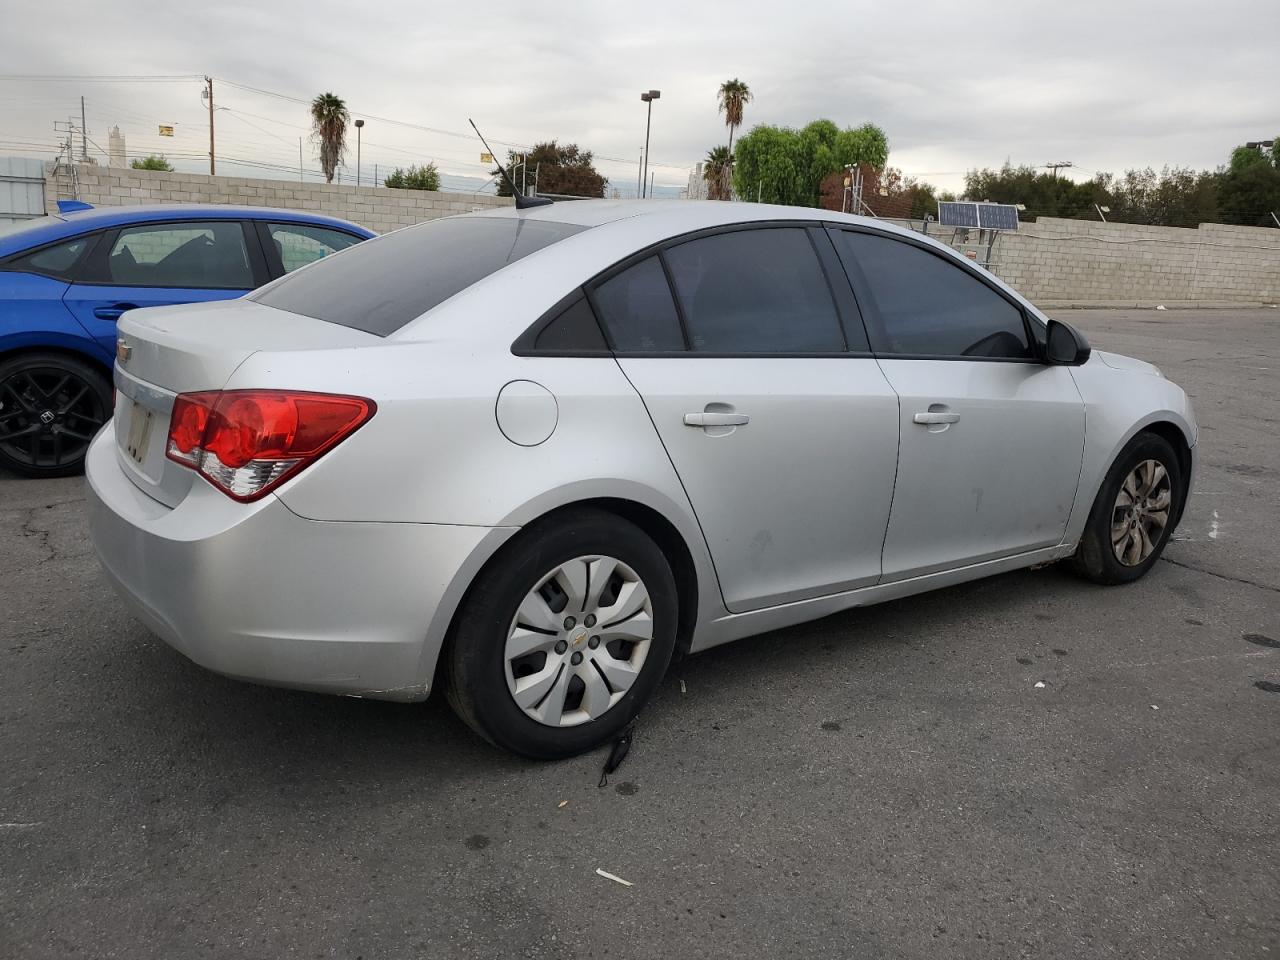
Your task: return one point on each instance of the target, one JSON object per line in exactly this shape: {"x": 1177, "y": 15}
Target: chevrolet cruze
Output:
{"x": 528, "y": 456}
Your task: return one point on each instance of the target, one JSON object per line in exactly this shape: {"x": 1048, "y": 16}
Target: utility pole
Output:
{"x": 1055, "y": 167}
{"x": 209, "y": 95}
{"x": 299, "y": 159}
{"x": 84, "y": 135}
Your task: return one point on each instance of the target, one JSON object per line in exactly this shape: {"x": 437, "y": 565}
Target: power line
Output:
{"x": 99, "y": 78}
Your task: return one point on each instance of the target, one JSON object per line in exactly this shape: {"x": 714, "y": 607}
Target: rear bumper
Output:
{"x": 255, "y": 592}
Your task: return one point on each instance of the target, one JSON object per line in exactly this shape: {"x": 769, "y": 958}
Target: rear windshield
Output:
{"x": 380, "y": 285}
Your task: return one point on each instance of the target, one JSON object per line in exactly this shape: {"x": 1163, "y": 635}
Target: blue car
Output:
{"x": 66, "y": 279}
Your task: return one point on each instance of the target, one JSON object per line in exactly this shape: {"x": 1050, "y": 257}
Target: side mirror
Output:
{"x": 1065, "y": 345}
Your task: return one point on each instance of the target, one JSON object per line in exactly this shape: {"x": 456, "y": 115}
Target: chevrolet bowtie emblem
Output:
{"x": 123, "y": 351}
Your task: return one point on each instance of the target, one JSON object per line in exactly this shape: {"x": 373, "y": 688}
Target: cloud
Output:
{"x": 1107, "y": 85}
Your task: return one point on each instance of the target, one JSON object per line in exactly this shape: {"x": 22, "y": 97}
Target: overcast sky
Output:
{"x": 954, "y": 85}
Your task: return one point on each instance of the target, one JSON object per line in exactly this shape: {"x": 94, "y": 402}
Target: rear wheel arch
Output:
{"x": 71, "y": 353}
{"x": 651, "y": 522}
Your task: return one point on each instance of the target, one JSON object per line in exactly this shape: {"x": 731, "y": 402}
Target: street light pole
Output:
{"x": 648, "y": 97}
{"x": 359, "y": 128}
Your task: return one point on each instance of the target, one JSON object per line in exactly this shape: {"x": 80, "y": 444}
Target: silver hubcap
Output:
{"x": 578, "y": 641}
{"x": 1141, "y": 512}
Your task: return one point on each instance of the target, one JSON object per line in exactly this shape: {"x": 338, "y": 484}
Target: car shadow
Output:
{"x": 259, "y": 733}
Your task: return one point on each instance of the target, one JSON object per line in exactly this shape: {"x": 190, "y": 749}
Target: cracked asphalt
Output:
{"x": 885, "y": 783}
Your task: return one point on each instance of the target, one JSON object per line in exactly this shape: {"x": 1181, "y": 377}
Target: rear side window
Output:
{"x": 637, "y": 309}
{"x": 574, "y": 330}
{"x": 190, "y": 255}
{"x": 755, "y": 291}
{"x": 929, "y": 307}
{"x": 380, "y": 285}
{"x": 59, "y": 260}
{"x": 299, "y": 244}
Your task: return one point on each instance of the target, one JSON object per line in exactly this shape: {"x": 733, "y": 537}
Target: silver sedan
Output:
{"x": 531, "y": 455}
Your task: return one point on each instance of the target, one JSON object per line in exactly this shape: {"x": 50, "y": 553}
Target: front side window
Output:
{"x": 925, "y": 306}
{"x": 199, "y": 255}
{"x": 755, "y": 291}
{"x": 637, "y": 310}
{"x": 380, "y": 285}
{"x": 59, "y": 260}
{"x": 299, "y": 244}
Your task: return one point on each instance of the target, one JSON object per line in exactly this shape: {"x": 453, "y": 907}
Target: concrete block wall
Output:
{"x": 378, "y": 208}
{"x": 1057, "y": 262}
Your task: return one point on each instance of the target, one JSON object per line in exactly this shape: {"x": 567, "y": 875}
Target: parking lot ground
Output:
{"x": 889, "y": 782}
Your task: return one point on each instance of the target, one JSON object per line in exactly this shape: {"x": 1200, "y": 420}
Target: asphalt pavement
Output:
{"x": 891, "y": 782}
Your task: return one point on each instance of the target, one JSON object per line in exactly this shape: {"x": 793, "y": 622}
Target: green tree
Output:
{"x": 155, "y": 161}
{"x": 784, "y": 165}
{"x": 1242, "y": 158}
{"x": 329, "y": 119}
{"x": 717, "y": 170}
{"x": 1043, "y": 194}
{"x": 1250, "y": 196}
{"x": 425, "y": 177}
{"x": 1174, "y": 197}
{"x": 557, "y": 169}
{"x": 922, "y": 198}
{"x": 734, "y": 95}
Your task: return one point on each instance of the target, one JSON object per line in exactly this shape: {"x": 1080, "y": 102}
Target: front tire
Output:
{"x": 1134, "y": 513}
{"x": 564, "y": 636}
{"x": 51, "y": 406}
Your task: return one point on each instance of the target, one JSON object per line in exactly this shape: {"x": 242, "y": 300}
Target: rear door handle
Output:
{"x": 931, "y": 418}
{"x": 716, "y": 419}
{"x": 112, "y": 312}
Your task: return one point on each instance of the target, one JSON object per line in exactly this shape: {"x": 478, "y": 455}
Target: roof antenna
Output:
{"x": 522, "y": 202}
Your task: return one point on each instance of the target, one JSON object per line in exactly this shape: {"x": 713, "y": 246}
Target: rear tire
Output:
{"x": 1134, "y": 513}
{"x": 593, "y": 600}
{"x": 51, "y": 406}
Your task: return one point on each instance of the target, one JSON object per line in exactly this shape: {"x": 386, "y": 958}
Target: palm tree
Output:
{"x": 717, "y": 170}
{"x": 734, "y": 96}
{"x": 329, "y": 119}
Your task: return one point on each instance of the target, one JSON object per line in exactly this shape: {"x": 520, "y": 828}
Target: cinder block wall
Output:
{"x": 1083, "y": 262}
{"x": 377, "y": 208}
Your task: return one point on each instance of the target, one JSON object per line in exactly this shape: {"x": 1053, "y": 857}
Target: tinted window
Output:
{"x": 574, "y": 331}
{"x": 380, "y": 285}
{"x": 211, "y": 254}
{"x": 58, "y": 260}
{"x": 637, "y": 309}
{"x": 930, "y": 307}
{"x": 755, "y": 291}
{"x": 299, "y": 244}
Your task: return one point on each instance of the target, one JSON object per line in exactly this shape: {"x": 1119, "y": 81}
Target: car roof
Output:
{"x": 64, "y": 225}
{"x": 680, "y": 215}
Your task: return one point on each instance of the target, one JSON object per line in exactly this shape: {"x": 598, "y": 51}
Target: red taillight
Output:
{"x": 245, "y": 442}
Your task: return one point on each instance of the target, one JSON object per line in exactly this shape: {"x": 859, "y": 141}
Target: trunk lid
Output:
{"x": 164, "y": 351}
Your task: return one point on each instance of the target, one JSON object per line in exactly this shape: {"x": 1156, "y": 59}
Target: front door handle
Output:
{"x": 113, "y": 312}
{"x": 716, "y": 419}
{"x": 935, "y": 417}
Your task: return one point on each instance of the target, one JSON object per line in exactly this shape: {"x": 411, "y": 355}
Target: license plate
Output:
{"x": 139, "y": 433}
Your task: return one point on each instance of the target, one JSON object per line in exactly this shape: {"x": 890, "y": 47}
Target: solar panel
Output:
{"x": 958, "y": 215}
{"x": 997, "y": 216}
{"x": 978, "y": 216}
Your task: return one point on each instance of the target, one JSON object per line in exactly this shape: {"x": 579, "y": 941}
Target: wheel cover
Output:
{"x": 48, "y": 416}
{"x": 1141, "y": 512}
{"x": 578, "y": 641}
